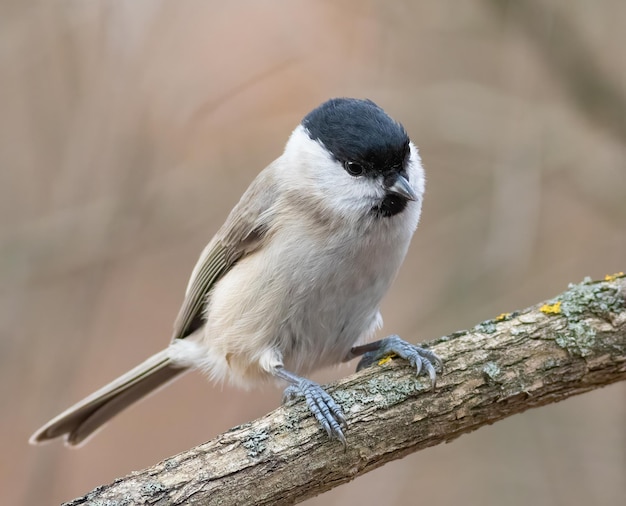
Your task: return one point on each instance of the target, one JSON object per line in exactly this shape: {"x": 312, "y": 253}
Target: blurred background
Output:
{"x": 128, "y": 130}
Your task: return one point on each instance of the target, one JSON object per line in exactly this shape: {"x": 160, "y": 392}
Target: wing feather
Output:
{"x": 243, "y": 232}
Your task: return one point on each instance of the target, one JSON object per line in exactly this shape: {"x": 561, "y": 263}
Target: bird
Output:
{"x": 293, "y": 280}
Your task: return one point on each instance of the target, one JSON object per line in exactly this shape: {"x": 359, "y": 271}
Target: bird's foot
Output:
{"x": 323, "y": 407}
{"x": 419, "y": 358}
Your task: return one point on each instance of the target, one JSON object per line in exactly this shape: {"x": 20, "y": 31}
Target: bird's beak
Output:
{"x": 402, "y": 188}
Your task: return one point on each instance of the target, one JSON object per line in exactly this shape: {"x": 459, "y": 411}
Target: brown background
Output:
{"x": 129, "y": 129}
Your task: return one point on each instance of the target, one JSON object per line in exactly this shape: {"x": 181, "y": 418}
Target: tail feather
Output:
{"x": 81, "y": 420}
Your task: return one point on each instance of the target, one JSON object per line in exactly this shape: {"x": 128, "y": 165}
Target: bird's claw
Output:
{"x": 323, "y": 407}
{"x": 420, "y": 358}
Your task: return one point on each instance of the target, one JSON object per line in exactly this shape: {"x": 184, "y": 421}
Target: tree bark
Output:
{"x": 571, "y": 344}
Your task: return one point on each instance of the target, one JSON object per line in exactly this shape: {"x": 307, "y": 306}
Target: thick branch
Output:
{"x": 569, "y": 345}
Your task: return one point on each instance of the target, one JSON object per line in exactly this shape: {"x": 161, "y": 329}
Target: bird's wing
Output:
{"x": 244, "y": 231}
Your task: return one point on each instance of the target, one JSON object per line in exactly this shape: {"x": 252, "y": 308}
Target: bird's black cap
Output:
{"x": 354, "y": 130}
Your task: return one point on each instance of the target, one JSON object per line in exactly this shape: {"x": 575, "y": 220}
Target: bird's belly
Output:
{"x": 308, "y": 304}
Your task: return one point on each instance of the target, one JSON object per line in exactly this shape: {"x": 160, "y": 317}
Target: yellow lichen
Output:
{"x": 551, "y": 308}
{"x": 613, "y": 277}
{"x": 501, "y": 317}
{"x": 387, "y": 359}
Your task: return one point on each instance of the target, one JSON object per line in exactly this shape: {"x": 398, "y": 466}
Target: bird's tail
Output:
{"x": 83, "y": 418}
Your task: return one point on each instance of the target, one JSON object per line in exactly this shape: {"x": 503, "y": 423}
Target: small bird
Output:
{"x": 293, "y": 280}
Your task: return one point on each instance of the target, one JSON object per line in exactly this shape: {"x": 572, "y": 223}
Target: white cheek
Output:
{"x": 336, "y": 185}
{"x": 309, "y": 160}
{"x": 415, "y": 171}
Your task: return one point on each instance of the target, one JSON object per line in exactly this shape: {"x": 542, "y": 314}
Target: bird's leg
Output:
{"x": 418, "y": 357}
{"x": 325, "y": 410}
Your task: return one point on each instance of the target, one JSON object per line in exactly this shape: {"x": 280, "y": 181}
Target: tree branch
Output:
{"x": 569, "y": 345}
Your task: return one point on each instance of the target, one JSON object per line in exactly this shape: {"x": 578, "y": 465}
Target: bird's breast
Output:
{"x": 307, "y": 297}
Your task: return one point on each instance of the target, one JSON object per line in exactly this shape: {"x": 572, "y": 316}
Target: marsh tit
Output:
{"x": 293, "y": 280}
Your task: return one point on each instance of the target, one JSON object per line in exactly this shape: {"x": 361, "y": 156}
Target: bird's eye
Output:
{"x": 354, "y": 168}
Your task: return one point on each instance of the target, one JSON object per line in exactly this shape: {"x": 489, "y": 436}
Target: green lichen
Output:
{"x": 580, "y": 301}
{"x": 390, "y": 390}
{"x": 486, "y": 327}
{"x": 518, "y": 331}
{"x": 599, "y": 299}
{"x": 579, "y": 338}
{"x": 550, "y": 363}
{"x": 491, "y": 326}
{"x": 382, "y": 391}
{"x": 255, "y": 443}
{"x": 292, "y": 421}
{"x": 347, "y": 398}
{"x": 152, "y": 488}
{"x": 492, "y": 371}
{"x": 171, "y": 464}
